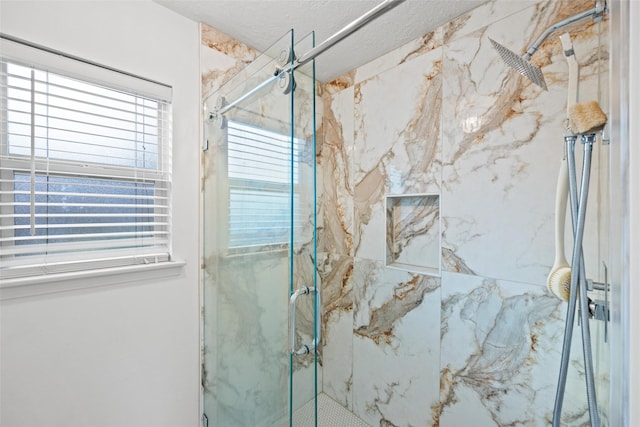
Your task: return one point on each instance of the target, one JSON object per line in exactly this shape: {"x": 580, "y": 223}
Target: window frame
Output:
{"x": 27, "y": 54}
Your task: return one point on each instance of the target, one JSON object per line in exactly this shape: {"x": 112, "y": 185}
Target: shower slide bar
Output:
{"x": 308, "y": 56}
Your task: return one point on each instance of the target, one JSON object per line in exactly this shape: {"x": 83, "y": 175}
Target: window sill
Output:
{"x": 64, "y": 282}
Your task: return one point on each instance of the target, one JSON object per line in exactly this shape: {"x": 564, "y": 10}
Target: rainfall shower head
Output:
{"x": 520, "y": 64}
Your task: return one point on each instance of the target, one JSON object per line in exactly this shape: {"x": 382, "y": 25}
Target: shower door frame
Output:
{"x": 298, "y": 86}
{"x": 625, "y": 231}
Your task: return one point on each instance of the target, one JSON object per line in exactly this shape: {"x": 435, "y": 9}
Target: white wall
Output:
{"x": 123, "y": 355}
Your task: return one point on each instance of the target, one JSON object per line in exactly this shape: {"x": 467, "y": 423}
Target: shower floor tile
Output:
{"x": 330, "y": 414}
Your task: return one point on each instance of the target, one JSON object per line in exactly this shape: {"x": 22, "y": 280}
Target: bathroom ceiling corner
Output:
{"x": 258, "y": 23}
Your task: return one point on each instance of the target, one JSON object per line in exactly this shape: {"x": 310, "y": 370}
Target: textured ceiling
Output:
{"x": 260, "y": 23}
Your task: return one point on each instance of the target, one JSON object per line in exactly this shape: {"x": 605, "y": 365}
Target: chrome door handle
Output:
{"x": 305, "y": 349}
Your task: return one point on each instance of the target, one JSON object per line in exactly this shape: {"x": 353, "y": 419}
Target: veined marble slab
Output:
{"x": 395, "y": 345}
{"x": 396, "y": 144}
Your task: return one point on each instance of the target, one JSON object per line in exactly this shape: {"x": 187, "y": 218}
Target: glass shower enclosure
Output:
{"x": 261, "y": 301}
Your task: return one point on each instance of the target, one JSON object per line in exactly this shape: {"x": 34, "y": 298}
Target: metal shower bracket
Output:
{"x": 287, "y": 84}
{"x": 597, "y": 13}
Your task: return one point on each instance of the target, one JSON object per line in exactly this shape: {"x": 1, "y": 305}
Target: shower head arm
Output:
{"x": 596, "y": 12}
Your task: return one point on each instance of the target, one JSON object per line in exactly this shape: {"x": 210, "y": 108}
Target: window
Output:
{"x": 261, "y": 201}
{"x": 84, "y": 165}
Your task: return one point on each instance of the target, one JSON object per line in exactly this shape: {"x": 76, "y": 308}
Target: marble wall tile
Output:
{"x": 504, "y": 135}
{"x": 340, "y": 83}
{"x": 336, "y": 273}
{"x": 482, "y": 16}
{"x": 334, "y": 157}
{"x": 397, "y": 138}
{"x": 502, "y": 141}
{"x": 500, "y": 355}
{"x": 492, "y": 139}
{"x": 221, "y": 58}
{"x": 395, "y": 345}
{"x": 414, "y": 48}
{"x": 405, "y": 53}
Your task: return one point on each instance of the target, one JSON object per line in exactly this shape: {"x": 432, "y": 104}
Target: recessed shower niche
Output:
{"x": 413, "y": 233}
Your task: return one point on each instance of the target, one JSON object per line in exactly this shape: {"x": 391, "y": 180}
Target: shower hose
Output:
{"x": 578, "y": 279}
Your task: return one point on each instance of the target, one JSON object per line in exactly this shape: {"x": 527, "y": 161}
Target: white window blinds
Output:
{"x": 84, "y": 166}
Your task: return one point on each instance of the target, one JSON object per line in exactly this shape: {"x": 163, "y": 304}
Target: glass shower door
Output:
{"x": 305, "y": 301}
{"x": 259, "y": 243}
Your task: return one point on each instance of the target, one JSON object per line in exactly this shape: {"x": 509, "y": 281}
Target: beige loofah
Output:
{"x": 586, "y": 117}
